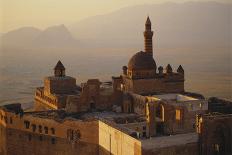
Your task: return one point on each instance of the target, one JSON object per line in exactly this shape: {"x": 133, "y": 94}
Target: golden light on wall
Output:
{"x": 178, "y": 114}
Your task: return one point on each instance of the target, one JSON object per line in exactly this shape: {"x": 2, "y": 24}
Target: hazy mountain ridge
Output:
{"x": 20, "y": 37}
{"x": 54, "y": 36}
{"x": 175, "y": 25}
{"x": 190, "y": 24}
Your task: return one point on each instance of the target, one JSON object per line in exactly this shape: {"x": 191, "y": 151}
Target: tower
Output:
{"x": 59, "y": 69}
{"x": 148, "y": 34}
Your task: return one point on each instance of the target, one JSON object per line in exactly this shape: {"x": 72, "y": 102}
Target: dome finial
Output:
{"x": 168, "y": 69}
{"x": 180, "y": 70}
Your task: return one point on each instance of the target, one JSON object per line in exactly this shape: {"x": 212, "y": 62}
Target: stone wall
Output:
{"x": 149, "y": 86}
{"x": 215, "y": 132}
{"x": 2, "y": 140}
{"x": 185, "y": 124}
{"x": 114, "y": 141}
{"x": 20, "y": 142}
{"x": 92, "y": 96}
{"x": 188, "y": 149}
{"x": 28, "y": 134}
{"x": 34, "y": 134}
{"x": 59, "y": 85}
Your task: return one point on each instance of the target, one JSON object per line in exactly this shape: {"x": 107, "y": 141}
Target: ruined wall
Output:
{"x": 139, "y": 104}
{"x": 186, "y": 123}
{"x": 139, "y": 127}
{"x": 114, "y": 141}
{"x": 92, "y": 96}
{"x": 46, "y": 101}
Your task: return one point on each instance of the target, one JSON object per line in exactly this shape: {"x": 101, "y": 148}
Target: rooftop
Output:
{"x": 175, "y": 97}
{"x": 15, "y": 108}
{"x": 167, "y": 141}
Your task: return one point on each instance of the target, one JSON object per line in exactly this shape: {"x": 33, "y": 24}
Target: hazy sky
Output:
{"x": 43, "y": 13}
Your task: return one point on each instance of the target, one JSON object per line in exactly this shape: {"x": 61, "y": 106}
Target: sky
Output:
{"x": 44, "y": 13}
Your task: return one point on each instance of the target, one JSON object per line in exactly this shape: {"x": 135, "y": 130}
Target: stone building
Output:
{"x": 141, "y": 76}
{"x": 141, "y": 112}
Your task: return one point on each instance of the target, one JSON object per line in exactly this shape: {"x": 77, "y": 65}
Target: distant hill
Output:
{"x": 175, "y": 25}
{"x": 55, "y": 36}
{"x": 20, "y": 37}
{"x": 189, "y": 24}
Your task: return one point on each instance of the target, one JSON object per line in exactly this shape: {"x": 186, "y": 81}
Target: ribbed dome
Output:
{"x": 142, "y": 61}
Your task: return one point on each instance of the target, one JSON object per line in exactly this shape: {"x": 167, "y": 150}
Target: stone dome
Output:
{"x": 142, "y": 61}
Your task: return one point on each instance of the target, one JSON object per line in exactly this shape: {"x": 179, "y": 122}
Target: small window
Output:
{"x": 144, "y": 134}
{"x": 53, "y": 140}
{"x": 191, "y": 106}
{"x": 29, "y": 137}
{"x": 6, "y": 120}
{"x": 40, "y": 129}
{"x": 46, "y": 130}
{"x": 144, "y": 127}
{"x": 53, "y": 131}
{"x": 33, "y": 127}
{"x": 200, "y": 105}
{"x": 27, "y": 124}
{"x": 40, "y": 138}
{"x": 178, "y": 115}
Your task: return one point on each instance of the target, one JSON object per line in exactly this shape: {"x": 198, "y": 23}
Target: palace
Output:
{"x": 143, "y": 111}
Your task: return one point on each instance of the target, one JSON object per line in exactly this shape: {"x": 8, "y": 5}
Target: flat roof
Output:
{"x": 175, "y": 97}
{"x": 155, "y": 143}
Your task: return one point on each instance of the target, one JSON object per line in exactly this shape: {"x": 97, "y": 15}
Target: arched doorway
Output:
{"x": 160, "y": 112}
{"x": 159, "y": 119}
{"x": 92, "y": 103}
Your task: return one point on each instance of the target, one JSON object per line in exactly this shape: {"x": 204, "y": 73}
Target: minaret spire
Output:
{"x": 148, "y": 34}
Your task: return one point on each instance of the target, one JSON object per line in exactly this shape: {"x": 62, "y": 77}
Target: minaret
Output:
{"x": 59, "y": 69}
{"x": 148, "y": 34}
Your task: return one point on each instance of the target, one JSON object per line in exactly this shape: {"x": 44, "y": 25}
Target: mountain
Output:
{"x": 20, "y": 37}
{"x": 175, "y": 25}
{"x": 190, "y": 24}
{"x": 55, "y": 36}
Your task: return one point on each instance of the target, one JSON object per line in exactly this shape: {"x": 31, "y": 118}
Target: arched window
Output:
{"x": 160, "y": 111}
